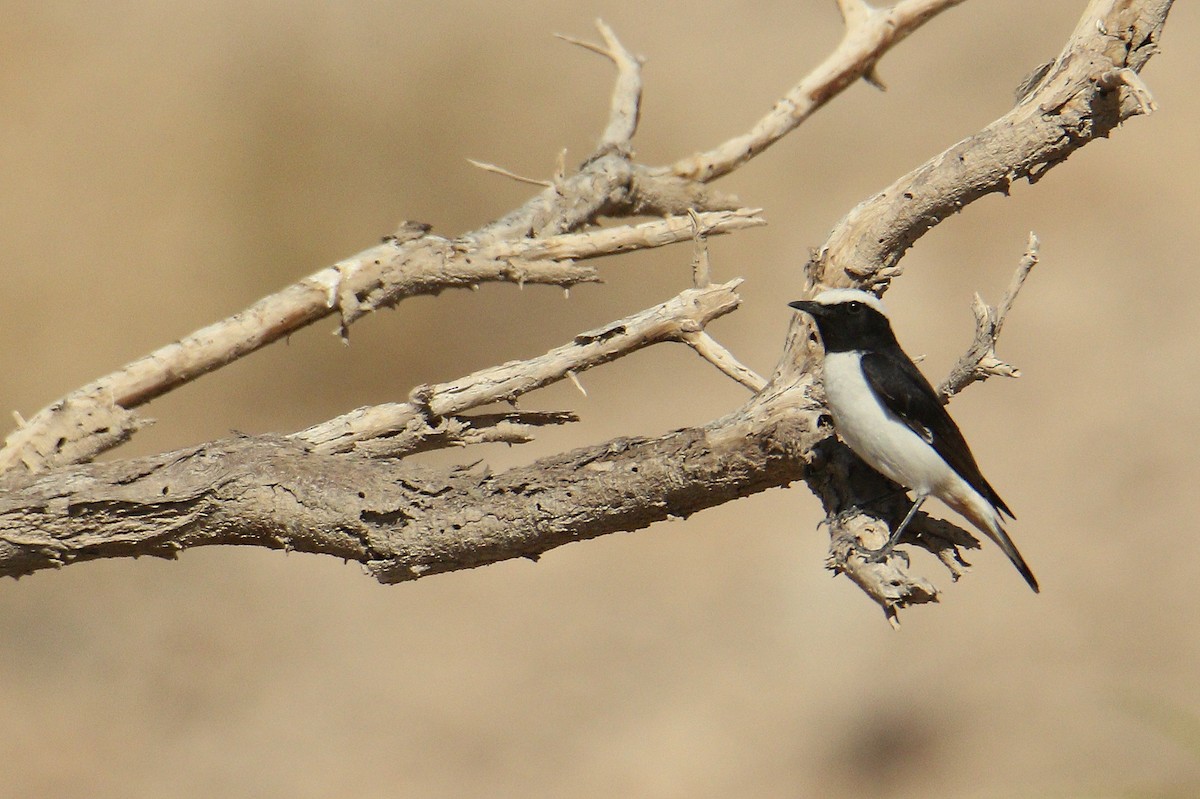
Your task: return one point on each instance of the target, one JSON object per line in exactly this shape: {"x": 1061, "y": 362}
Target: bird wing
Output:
{"x": 906, "y": 393}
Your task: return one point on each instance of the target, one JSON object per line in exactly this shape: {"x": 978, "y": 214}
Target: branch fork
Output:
{"x": 980, "y": 362}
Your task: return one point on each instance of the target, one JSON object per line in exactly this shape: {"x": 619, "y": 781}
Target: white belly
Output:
{"x": 878, "y": 436}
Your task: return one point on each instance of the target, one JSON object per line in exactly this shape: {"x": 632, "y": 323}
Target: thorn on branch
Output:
{"x": 575, "y": 380}
{"x": 857, "y": 15}
{"x": 586, "y": 45}
{"x": 408, "y": 230}
{"x": 345, "y": 302}
{"x": 871, "y": 76}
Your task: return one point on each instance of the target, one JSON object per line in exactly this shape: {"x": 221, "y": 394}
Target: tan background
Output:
{"x": 166, "y": 164}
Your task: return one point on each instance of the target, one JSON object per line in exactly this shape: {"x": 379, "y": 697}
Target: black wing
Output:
{"x": 906, "y": 393}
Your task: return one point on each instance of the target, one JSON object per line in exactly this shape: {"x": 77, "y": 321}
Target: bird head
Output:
{"x": 848, "y": 319}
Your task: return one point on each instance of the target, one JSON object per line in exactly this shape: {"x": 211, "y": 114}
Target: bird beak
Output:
{"x": 808, "y": 306}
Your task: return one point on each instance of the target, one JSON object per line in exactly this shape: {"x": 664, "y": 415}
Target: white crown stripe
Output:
{"x": 839, "y": 296}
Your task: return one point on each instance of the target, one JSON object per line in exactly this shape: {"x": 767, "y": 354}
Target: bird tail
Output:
{"x": 984, "y": 515}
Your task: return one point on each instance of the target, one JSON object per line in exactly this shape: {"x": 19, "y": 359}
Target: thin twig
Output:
{"x": 1028, "y": 261}
{"x": 499, "y": 170}
{"x": 610, "y": 240}
{"x": 701, "y": 264}
{"x": 690, "y": 311}
{"x": 710, "y": 350}
{"x": 980, "y": 361}
{"x": 422, "y": 435}
{"x": 868, "y": 36}
{"x": 627, "y": 93}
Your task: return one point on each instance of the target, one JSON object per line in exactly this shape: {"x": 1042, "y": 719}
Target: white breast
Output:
{"x": 876, "y": 434}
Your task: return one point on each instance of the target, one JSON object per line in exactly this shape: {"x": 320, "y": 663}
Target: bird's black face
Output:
{"x": 848, "y": 324}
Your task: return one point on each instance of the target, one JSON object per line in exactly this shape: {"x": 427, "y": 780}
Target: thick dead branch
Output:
{"x": 401, "y": 522}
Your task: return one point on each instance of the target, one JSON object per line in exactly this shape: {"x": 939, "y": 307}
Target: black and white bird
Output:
{"x": 887, "y": 412}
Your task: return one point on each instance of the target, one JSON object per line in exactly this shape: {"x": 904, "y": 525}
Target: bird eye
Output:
{"x": 854, "y": 306}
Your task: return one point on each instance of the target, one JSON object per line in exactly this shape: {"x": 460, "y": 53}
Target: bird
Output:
{"x": 889, "y": 415}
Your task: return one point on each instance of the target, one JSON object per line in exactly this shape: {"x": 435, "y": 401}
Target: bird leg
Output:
{"x": 875, "y": 555}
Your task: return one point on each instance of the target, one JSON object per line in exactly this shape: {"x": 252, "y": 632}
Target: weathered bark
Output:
{"x": 398, "y": 520}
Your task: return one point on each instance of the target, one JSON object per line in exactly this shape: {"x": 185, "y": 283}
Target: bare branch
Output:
{"x": 708, "y": 349}
{"x": 869, "y": 34}
{"x": 704, "y": 344}
{"x": 402, "y": 522}
{"x": 1084, "y": 95}
{"x": 499, "y": 170}
{"x": 404, "y": 425}
{"x": 608, "y": 241}
{"x": 1028, "y": 261}
{"x": 627, "y": 93}
{"x": 980, "y": 361}
{"x": 97, "y": 417}
{"x": 421, "y": 435}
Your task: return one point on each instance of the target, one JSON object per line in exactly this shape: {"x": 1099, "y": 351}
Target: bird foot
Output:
{"x": 839, "y": 518}
{"x": 881, "y": 554}
{"x": 857, "y": 509}
{"x": 868, "y": 554}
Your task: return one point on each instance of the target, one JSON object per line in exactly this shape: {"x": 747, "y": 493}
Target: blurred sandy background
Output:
{"x": 166, "y": 164}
